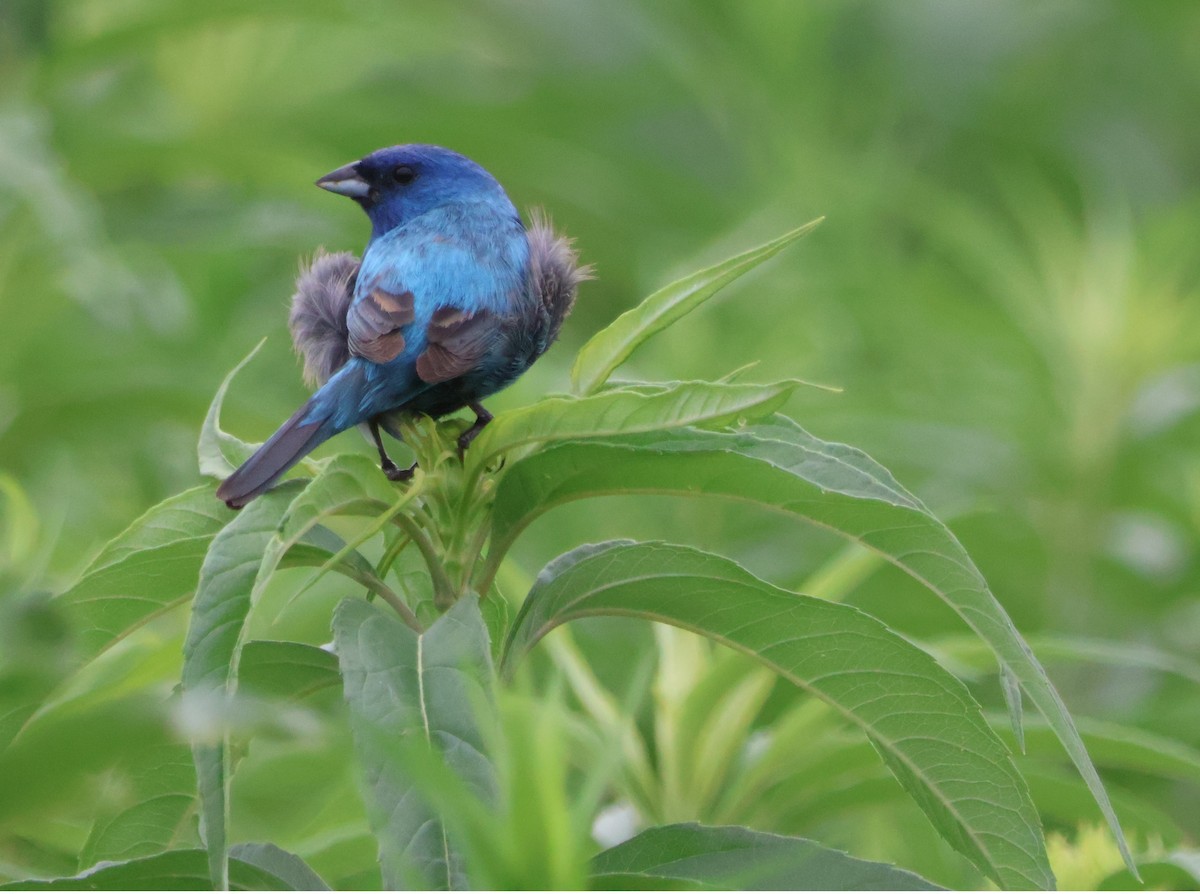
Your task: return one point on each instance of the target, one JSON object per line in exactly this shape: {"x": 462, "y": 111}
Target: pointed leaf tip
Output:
{"x": 612, "y": 346}
{"x": 219, "y": 452}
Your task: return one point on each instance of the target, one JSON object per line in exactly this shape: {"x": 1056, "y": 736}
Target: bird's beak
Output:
{"x": 345, "y": 181}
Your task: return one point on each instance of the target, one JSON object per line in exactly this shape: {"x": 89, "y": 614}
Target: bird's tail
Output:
{"x": 321, "y": 417}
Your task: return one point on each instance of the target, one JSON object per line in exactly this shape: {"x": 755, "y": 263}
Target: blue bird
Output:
{"x": 453, "y": 299}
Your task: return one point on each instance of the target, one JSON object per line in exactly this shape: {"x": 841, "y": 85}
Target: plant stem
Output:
{"x": 393, "y": 553}
{"x": 443, "y": 590}
{"x": 483, "y": 584}
{"x": 423, "y": 519}
{"x": 475, "y": 549}
{"x": 392, "y": 598}
{"x": 405, "y": 613}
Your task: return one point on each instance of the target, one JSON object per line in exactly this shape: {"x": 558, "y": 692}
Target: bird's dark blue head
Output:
{"x": 396, "y": 184}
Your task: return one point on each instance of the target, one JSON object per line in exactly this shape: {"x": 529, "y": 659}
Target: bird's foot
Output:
{"x": 389, "y": 468}
{"x": 395, "y": 473}
{"x": 482, "y": 418}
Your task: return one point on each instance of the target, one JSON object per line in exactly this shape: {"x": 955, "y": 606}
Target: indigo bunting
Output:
{"x": 453, "y": 299}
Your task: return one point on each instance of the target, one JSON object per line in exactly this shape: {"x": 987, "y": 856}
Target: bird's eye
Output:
{"x": 404, "y": 175}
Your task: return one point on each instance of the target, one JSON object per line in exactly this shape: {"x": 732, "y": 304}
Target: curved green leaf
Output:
{"x": 405, "y": 687}
{"x": 1065, "y": 802}
{"x": 1178, "y": 871}
{"x": 147, "y": 569}
{"x": 611, "y": 346}
{"x": 731, "y": 858}
{"x": 1080, "y": 650}
{"x": 923, "y": 722}
{"x": 712, "y": 723}
{"x": 164, "y": 783}
{"x": 782, "y": 467}
{"x": 47, "y": 765}
{"x": 185, "y": 870}
{"x": 626, "y": 411}
{"x": 812, "y": 767}
{"x": 321, "y": 548}
{"x": 223, "y": 594}
{"x": 194, "y": 513}
{"x": 230, "y": 583}
{"x": 219, "y": 452}
{"x": 287, "y": 867}
{"x": 285, "y": 670}
{"x": 350, "y": 484}
{"x": 1122, "y": 747}
{"x": 210, "y": 653}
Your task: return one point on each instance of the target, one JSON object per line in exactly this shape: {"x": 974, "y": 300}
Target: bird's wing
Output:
{"x": 455, "y": 341}
{"x": 439, "y": 274}
{"x": 374, "y": 323}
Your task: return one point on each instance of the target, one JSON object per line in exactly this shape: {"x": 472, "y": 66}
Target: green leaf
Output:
{"x": 284, "y": 670}
{"x": 147, "y": 569}
{"x": 1065, "y": 802}
{"x": 185, "y": 870}
{"x": 1010, "y": 686}
{"x": 350, "y": 484}
{"x": 287, "y": 867}
{"x": 733, "y": 858}
{"x": 812, "y": 768}
{"x": 428, "y": 688}
{"x": 220, "y": 452}
{"x": 612, "y": 346}
{"x": 47, "y": 765}
{"x": 715, "y": 720}
{"x": 809, "y": 757}
{"x": 780, "y": 466}
{"x": 210, "y": 654}
{"x": 921, "y": 719}
{"x": 1081, "y": 650}
{"x": 625, "y": 411}
{"x": 320, "y": 548}
{"x": 164, "y": 783}
{"x": 1178, "y": 871}
{"x": 1122, "y": 747}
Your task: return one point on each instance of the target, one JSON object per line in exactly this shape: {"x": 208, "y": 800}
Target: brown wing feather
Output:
{"x": 374, "y": 324}
{"x": 457, "y": 341}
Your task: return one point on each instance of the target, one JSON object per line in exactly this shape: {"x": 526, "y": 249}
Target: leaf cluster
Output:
{"x": 461, "y": 762}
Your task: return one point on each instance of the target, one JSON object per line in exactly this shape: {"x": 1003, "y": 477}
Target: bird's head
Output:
{"x": 396, "y": 184}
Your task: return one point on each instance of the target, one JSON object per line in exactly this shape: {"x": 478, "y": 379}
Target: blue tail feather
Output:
{"x": 294, "y": 440}
{"x": 333, "y": 409}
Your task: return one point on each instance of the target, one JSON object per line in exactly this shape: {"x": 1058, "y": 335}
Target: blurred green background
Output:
{"x": 1007, "y": 287}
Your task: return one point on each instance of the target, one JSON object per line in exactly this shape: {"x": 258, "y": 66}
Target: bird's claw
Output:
{"x": 482, "y": 418}
{"x": 395, "y": 473}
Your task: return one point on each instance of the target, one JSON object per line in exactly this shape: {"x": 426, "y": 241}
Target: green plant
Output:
{"x": 450, "y": 728}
